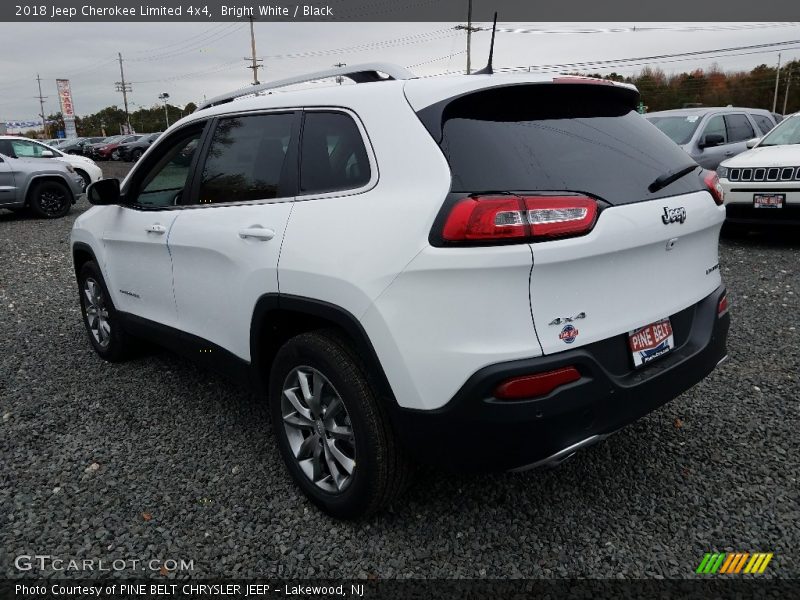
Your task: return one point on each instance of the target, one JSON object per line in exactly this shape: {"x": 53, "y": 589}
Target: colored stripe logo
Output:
{"x": 726, "y": 563}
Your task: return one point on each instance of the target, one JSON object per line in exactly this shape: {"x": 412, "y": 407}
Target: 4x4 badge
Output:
{"x": 673, "y": 215}
{"x": 561, "y": 320}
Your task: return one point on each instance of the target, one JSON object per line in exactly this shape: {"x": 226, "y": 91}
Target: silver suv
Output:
{"x": 48, "y": 188}
{"x": 710, "y": 135}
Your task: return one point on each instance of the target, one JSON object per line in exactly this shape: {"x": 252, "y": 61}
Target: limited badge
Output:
{"x": 568, "y": 334}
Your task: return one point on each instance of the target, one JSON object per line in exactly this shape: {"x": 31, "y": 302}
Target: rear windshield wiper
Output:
{"x": 664, "y": 180}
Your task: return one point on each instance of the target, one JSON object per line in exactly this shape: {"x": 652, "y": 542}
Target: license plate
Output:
{"x": 768, "y": 200}
{"x": 651, "y": 342}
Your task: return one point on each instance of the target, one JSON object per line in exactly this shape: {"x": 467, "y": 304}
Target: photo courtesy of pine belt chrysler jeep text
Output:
{"x": 483, "y": 272}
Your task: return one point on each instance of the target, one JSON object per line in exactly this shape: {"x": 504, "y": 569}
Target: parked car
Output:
{"x": 49, "y": 188}
{"x": 132, "y": 151}
{"x": 107, "y": 149}
{"x": 76, "y": 146}
{"x": 17, "y": 147}
{"x": 762, "y": 185}
{"x": 710, "y": 135}
{"x": 475, "y": 271}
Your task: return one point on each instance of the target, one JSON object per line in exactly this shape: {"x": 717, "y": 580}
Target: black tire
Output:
{"x": 120, "y": 344}
{"x": 382, "y": 470}
{"x": 85, "y": 176}
{"x": 136, "y": 155}
{"x": 49, "y": 199}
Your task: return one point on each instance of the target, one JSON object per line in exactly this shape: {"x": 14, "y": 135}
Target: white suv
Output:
{"x": 481, "y": 272}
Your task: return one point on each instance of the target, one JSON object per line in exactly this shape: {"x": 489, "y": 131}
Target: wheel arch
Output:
{"x": 81, "y": 254}
{"x": 35, "y": 179}
{"x": 279, "y": 317}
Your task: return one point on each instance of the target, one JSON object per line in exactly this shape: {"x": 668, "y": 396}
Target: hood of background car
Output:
{"x": 767, "y": 156}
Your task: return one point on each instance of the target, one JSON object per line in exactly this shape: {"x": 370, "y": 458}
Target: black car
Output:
{"x": 78, "y": 145}
{"x": 132, "y": 151}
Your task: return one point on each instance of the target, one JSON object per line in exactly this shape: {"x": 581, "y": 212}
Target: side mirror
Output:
{"x": 104, "y": 192}
{"x": 711, "y": 139}
{"x": 150, "y": 141}
{"x": 47, "y": 154}
{"x": 752, "y": 143}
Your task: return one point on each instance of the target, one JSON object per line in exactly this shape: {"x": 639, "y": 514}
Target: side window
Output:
{"x": 739, "y": 128}
{"x": 332, "y": 154}
{"x": 716, "y": 126}
{"x": 246, "y": 159}
{"x": 764, "y": 124}
{"x": 164, "y": 184}
{"x": 24, "y": 149}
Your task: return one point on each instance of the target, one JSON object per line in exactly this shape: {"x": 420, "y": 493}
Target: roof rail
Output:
{"x": 363, "y": 73}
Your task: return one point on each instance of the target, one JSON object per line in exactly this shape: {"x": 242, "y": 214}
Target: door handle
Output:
{"x": 729, "y": 153}
{"x": 155, "y": 228}
{"x": 257, "y": 233}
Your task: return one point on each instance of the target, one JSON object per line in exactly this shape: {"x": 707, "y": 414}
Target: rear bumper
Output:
{"x": 477, "y": 432}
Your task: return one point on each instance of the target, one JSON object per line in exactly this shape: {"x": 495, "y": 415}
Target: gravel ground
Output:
{"x": 157, "y": 459}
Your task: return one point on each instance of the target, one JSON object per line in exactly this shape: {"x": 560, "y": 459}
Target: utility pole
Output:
{"x": 786, "y": 94}
{"x": 125, "y": 88}
{"x": 339, "y": 78}
{"x": 41, "y": 107}
{"x": 469, "y": 29}
{"x": 255, "y": 66}
{"x": 777, "y": 79}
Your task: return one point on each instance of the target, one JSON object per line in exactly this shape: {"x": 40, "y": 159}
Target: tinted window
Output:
{"x": 164, "y": 184}
{"x": 763, "y": 123}
{"x": 678, "y": 129}
{"x": 716, "y": 126}
{"x": 580, "y": 138}
{"x": 739, "y": 128}
{"x": 333, "y": 156}
{"x": 246, "y": 159}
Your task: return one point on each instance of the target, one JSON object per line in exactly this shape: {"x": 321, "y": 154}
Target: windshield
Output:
{"x": 786, "y": 132}
{"x": 679, "y": 129}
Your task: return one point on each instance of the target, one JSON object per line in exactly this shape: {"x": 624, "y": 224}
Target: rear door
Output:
{"x": 227, "y": 239}
{"x": 653, "y": 249}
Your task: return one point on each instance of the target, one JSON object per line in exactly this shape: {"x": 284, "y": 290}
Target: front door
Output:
{"x": 138, "y": 261}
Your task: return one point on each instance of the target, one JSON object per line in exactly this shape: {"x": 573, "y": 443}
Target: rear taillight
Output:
{"x": 532, "y": 386}
{"x": 483, "y": 219}
{"x": 722, "y": 307}
{"x": 714, "y": 186}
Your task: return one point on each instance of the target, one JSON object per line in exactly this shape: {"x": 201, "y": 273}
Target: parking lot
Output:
{"x": 157, "y": 459}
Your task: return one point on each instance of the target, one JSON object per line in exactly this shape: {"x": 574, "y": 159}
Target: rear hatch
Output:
{"x": 648, "y": 246}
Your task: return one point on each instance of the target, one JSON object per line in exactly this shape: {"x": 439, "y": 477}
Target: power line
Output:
{"x": 656, "y": 58}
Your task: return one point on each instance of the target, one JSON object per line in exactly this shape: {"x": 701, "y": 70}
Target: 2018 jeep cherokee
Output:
{"x": 481, "y": 272}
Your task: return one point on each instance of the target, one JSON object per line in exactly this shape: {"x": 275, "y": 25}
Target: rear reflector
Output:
{"x": 722, "y": 307}
{"x": 531, "y": 386}
{"x": 714, "y": 186}
{"x": 519, "y": 218}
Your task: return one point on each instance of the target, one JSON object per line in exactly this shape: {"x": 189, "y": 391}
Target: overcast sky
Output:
{"x": 189, "y": 60}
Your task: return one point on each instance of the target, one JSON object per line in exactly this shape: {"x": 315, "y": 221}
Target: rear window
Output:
{"x": 568, "y": 137}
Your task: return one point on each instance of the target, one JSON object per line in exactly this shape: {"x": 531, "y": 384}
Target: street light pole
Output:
{"x": 777, "y": 79}
{"x": 164, "y": 97}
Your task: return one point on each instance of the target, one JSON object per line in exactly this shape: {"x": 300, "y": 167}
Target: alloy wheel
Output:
{"x": 318, "y": 429}
{"x": 52, "y": 201}
{"x": 96, "y": 312}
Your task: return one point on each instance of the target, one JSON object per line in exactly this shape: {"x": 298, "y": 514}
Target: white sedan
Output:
{"x": 18, "y": 147}
{"x": 762, "y": 185}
